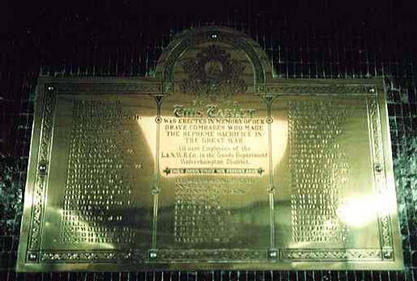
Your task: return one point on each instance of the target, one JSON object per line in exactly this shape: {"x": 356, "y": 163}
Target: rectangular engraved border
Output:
{"x": 31, "y": 257}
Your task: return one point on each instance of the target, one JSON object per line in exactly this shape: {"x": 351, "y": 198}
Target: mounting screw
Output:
{"x": 270, "y": 188}
{"x": 387, "y": 254}
{"x": 42, "y": 168}
{"x": 32, "y": 257}
{"x": 152, "y": 255}
{"x": 273, "y": 254}
{"x": 261, "y": 88}
{"x": 378, "y": 168}
{"x": 168, "y": 87}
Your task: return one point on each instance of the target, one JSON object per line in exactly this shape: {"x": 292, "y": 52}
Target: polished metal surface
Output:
{"x": 137, "y": 181}
{"x": 215, "y": 167}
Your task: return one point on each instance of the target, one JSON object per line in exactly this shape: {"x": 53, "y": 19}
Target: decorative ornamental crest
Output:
{"x": 212, "y": 74}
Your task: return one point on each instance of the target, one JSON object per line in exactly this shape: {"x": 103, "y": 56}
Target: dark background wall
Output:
{"x": 304, "y": 39}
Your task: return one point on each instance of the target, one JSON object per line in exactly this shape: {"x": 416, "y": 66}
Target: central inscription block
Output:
{"x": 214, "y": 166}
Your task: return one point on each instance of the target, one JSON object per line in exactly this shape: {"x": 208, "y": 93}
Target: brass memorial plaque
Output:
{"x": 211, "y": 164}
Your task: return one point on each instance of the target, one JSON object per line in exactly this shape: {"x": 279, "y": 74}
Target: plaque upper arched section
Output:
{"x": 238, "y": 47}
